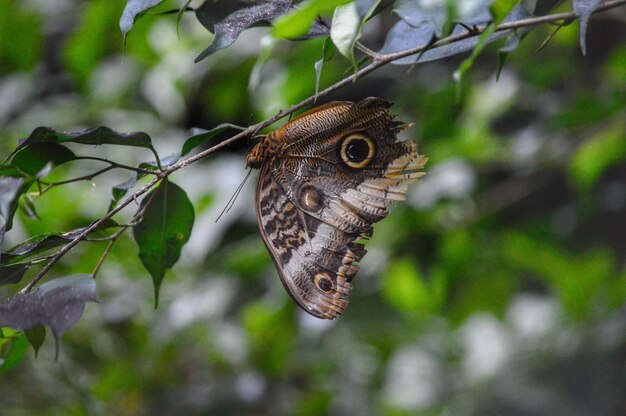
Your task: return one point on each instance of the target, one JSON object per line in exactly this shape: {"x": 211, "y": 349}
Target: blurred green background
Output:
{"x": 498, "y": 288}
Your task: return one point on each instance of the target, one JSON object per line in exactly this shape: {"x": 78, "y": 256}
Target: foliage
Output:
{"x": 500, "y": 277}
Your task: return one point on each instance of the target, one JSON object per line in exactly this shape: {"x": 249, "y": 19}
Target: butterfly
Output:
{"x": 325, "y": 178}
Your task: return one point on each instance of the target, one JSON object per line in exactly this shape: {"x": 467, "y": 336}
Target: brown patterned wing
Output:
{"x": 349, "y": 171}
{"x": 315, "y": 260}
{"x": 326, "y": 178}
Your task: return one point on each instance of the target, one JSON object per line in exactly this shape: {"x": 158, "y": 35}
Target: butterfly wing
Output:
{"x": 336, "y": 172}
{"x": 350, "y": 196}
{"x": 315, "y": 261}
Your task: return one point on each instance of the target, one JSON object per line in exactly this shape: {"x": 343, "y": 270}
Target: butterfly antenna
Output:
{"x": 233, "y": 198}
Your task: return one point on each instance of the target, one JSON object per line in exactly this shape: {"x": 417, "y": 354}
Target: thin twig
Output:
{"x": 377, "y": 62}
{"x": 77, "y": 179}
{"x": 112, "y": 239}
{"x": 118, "y": 165}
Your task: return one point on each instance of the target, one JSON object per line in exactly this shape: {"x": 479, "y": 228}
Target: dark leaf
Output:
{"x": 11, "y": 274}
{"x": 28, "y": 207}
{"x": 34, "y": 158}
{"x": 43, "y": 242}
{"x": 210, "y": 12}
{"x": 163, "y": 230}
{"x": 205, "y": 135}
{"x": 228, "y": 30}
{"x": 133, "y": 9}
{"x": 10, "y": 189}
{"x": 118, "y": 191}
{"x": 416, "y": 14}
{"x": 35, "y": 337}
{"x": 403, "y": 36}
{"x": 584, "y": 9}
{"x": 95, "y": 136}
{"x": 58, "y": 304}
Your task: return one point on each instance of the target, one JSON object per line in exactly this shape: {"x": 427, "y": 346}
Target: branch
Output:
{"x": 377, "y": 61}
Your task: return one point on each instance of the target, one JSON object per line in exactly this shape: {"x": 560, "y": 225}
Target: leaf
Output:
{"x": 328, "y": 51}
{"x": 416, "y": 14}
{"x": 132, "y": 10}
{"x": 501, "y": 10}
{"x": 347, "y": 24}
{"x": 299, "y": 20}
{"x": 205, "y": 135}
{"x": 607, "y": 148}
{"x": 118, "y": 191}
{"x": 17, "y": 349}
{"x": 511, "y": 43}
{"x": 10, "y": 189}
{"x": 43, "y": 242}
{"x": 11, "y": 274}
{"x": 33, "y": 158}
{"x": 164, "y": 228}
{"x": 403, "y": 36}
{"x": 228, "y": 30}
{"x": 94, "y": 135}
{"x": 35, "y": 337}
{"x": 57, "y": 304}
{"x": 584, "y": 9}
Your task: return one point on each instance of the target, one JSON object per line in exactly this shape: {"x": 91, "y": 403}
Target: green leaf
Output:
{"x": 163, "y": 230}
{"x": 500, "y": 9}
{"x": 299, "y": 20}
{"x": 35, "y": 337}
{"x": 607, "y": 148}
{"x": 348, "y": 21}
{"x": 17, "y": 347}
{"x": 206, "y": 135}
{"x": 328, "y": 51}
{"x": 33, "y": 158}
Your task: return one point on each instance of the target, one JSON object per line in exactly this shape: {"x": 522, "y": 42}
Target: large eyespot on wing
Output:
{"x": 356, "y": 150}
{"x": 316, "y": 262}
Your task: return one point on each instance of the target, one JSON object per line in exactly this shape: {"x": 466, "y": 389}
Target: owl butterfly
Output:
{"x": 326, "y": 177}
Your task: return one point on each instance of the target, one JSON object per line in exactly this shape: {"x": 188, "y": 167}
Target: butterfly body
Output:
{"x": 326, "y": 177}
